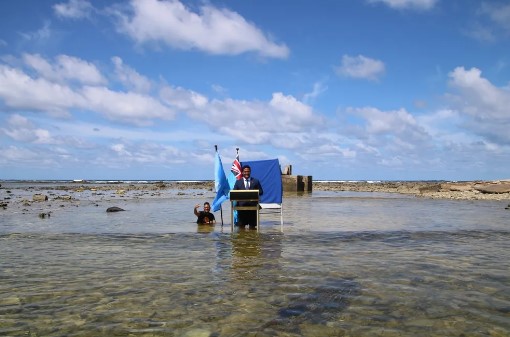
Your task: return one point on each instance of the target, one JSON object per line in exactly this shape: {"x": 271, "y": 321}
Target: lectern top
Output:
{"x": 241, "y": 195}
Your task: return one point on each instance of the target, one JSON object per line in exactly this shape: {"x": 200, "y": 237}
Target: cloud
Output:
{"x": 130, "y": 78}
{"x": 38, "y": 36}
{"x": 396, "y": 127}
{"x": 318, "y": 89}
{"x": 69, "y": 84}
{"x": 212, "y": 30}
{"x": 484, "y": 104}
{"x": 21, "y": 156}
{"x": 258, "y": 122}
{"x": 360, "y": 67}
{"x": 481, "y": 33}
{"x": 64, "y": 69}
{"x": 497, "y": 13}
{"x": 73, "y": 9}
{"x": 22, "y": 130}
{"x": 127, "y": 107}
{"x": 125, "y": 153}
{"x": 408, "y": 4}
{"x": 492, "y": 22}
{"x": 20, "y": 91}
{"x": 183, "y": 99}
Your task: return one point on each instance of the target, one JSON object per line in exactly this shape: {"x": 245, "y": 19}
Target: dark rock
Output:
{"x": 114, "y": 209}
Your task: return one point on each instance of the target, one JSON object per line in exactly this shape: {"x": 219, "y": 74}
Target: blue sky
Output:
{"x": 341, "y": 90}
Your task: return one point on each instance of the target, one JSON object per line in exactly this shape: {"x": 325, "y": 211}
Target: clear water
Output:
{"x": 345, "y": 264}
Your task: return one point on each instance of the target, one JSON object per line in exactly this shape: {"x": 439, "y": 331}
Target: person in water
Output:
{"x": 204, "y": 217}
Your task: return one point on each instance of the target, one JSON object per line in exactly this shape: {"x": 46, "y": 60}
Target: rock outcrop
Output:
{"x": 39, "y": 197}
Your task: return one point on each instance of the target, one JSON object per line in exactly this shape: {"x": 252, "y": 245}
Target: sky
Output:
{"x": 340, "y": 90}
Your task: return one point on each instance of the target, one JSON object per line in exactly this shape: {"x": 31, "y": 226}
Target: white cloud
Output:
{"x": 59, "y": 90}
{"x": 479, "y": 98}
{"x": 127, "y": 107}
{"x": 318, "y": 89}
{"x": 21, "y": 129}
{"x": 20, "y": 91}
{"x": 132, "y": 154}
{"x": 257, "y": 122}
{"x": 183, "y": 99}
{"x": 330, "y": 150}
{"x": 65, "y": 68}
{"x": 213, "y": 30}
{"x": 73, "y": 9}
{"x": 73, "y": 68}
{"x": 390, "y": 132}
{"x": 360, "y": 67}
{"x": 408, "y": 4}
{"x": 20, "y": 155}
{"x": 386, "y": 121}
{"x": 130, "y": 78}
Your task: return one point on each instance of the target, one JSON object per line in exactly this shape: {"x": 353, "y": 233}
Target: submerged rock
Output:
{"x": 322, "y": 303}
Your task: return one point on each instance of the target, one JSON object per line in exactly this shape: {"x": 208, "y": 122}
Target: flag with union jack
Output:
{"x": 235, "y": 174}
{"x": 236, "y": 168}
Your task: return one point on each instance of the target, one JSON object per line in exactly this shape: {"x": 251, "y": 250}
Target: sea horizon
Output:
{"x": 150, "y": 181}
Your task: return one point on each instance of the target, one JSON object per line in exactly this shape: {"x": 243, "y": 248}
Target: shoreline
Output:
{"x": 466, "y": 190}
{"x": 45, "y": 197}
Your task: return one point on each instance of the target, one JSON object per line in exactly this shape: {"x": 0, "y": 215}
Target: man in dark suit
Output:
{"x": 247, "y": 182}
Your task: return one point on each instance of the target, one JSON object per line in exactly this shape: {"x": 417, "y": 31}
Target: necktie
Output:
{"x": 247, "y": 184}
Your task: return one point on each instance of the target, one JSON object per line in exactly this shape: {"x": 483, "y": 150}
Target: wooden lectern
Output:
{"x": 244, "y": 196}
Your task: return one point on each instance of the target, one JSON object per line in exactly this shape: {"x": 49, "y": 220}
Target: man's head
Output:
{"x": 246, "y": 171}
{"x": 207, "y": 206}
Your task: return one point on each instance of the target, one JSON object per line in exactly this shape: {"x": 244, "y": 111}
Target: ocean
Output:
{"x": 342, "y": 264}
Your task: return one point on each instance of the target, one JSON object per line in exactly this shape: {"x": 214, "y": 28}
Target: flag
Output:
{"x": 220, "y": 183}
{"x": 235, "y": 172}
{"x": 236, "y": 168}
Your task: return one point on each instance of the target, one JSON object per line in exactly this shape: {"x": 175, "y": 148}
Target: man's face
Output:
{"x": 246, "y": 173}
{"x": 207, "y": 208}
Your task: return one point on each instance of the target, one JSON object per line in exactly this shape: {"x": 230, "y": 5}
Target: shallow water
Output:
{"x": 344, "y": 264}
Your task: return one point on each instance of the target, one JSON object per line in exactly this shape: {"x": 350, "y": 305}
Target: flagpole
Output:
{"x": 235, "y": 213}
{"x": 221, "y": 209}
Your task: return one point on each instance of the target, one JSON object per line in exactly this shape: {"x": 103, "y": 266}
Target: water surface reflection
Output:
{"x": 384, "y": 266}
